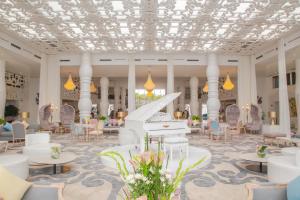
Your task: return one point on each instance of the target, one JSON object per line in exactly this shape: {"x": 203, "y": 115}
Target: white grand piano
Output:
{"x": 148, "y": 119}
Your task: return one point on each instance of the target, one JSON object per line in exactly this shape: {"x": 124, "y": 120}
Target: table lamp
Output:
{"x": 25, "y": 117}
{"x": 177, "y": 115}
{"x": 273, "y": 117}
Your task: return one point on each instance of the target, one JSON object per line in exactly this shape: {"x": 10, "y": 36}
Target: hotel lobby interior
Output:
{"x": 149, "y": 99}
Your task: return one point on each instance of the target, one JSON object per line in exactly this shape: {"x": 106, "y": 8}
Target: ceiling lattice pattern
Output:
{"x": 239, "y": 26}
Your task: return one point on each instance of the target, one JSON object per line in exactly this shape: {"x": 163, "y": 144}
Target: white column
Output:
{"x": 43, "y": 97}
{"x": 244, "y": 85}
{"x": 131, "y": 87}
{"x": 123, "y": 98}
{"x": 85, "y": 75}
{"x": 182, "y": 98}
{"x": 2, "y": 88}
{"x": 297, "y": 94}
{"x": 253, "y": 87}
{"x": 170, "y": 86}
{"x": 117, "y": 97}
{"x": 194, "y": 95}
{"x": 284, "y": 112}
{"x": 212, "y": 73}
{"x": 53, "y": 86}
{"x": 104, "y": 83}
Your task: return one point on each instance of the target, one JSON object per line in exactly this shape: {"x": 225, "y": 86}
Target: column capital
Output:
{"x": 104, "y": 81}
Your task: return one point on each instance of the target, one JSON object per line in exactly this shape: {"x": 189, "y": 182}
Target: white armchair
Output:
{"x": 283, "y": 169}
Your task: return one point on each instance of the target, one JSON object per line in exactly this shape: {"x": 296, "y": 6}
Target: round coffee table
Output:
{"x": 258, "y": 162}
{"x": 65, "y": 157}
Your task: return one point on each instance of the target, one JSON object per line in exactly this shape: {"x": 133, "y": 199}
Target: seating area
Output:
{"x": 150, "y": 100}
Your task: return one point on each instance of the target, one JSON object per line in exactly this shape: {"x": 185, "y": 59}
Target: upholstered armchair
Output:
{"x": 45, "y": 113}
{"x": 232, "y": 114}
{"x": 67, "y": 115}
{"x": 256, "y": 125}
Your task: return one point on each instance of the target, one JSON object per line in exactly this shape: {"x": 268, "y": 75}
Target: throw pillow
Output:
{"x": 9, "y": 181}
{"x": 293, "y": 189}
{"x": 7, "y": 127}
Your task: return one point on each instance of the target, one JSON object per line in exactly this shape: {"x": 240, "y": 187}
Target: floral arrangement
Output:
{"x": 102, "y": 118}
{"x": 149, "y": 179}
{"x": 55, "y": 152}
{"x": 261, "y": 150}
{"x": 196, "y": 118}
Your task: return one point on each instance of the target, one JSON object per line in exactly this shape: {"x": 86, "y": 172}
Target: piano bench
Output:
{"x": 173, "y": 143}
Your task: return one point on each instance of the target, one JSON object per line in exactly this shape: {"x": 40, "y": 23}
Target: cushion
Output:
{"x": 47, "y": 192}
{"x": 8, "y": 127}
{"x": 293, "y": 189}
{"x": 11, "y": 186}
{"x": 266, "y": 191}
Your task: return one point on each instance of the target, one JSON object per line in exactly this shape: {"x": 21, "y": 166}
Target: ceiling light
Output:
{"x": 149, "y": 85}
{"x": 228, "y": 85}
{"x": 69, "y": 85}
{"x": 93, "y": 88}
{"x": 205, "y": 88}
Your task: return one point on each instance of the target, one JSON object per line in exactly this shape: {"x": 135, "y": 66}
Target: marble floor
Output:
{"x": 89, "y": 179}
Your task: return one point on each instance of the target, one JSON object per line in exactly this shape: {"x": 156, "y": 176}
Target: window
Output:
{"x": 141, "y": 97}
{"x": 293, "y": 78}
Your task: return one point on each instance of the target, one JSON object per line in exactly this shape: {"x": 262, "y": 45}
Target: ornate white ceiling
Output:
{"x": 230, "y": 26}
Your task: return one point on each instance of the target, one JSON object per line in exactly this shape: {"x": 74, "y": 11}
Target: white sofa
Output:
{"x": 283, "y": 169}
{"x": 38, "y": 144}
{"x": 16, "y": 164}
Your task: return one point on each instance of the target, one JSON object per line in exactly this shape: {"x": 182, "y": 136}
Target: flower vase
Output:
{"x": 55, "y": 152}
{"x": 261, "y": 154}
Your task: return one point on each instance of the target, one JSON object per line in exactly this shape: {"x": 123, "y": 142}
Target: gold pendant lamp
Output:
{"x": 205, "y": 88}
{"x": 69, "y": 84}
{"x": 228, "y": 85}
{"x": 149, "y": 86}
{"x": 93, "y": 88}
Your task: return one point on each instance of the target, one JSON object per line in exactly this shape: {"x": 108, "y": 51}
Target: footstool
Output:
{"x": 16, "y": 164}
{"x": 173, "y": 143}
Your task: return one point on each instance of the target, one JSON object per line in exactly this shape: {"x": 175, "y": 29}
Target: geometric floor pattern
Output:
{"x": 88, "y": 179}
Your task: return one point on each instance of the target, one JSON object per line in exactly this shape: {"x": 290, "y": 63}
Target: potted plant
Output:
{"x": 149, "y": 180}
{"x": 102, "y": 119}
{"x": 196, "y": 120}
{"x": 261, "y": 151}
{"x": 2, "y": 121}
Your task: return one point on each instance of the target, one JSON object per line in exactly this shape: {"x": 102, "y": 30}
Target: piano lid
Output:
{"x": 145, "y": 112}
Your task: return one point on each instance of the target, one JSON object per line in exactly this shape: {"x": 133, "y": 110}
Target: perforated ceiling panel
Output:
{"x": 230, "y": 26}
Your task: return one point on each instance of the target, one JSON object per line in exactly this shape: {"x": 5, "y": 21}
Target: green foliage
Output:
{"x": 196, "y": 117}
{"x": 102, "y": 118}
{"x": 2, "y": 121}
{"x": 11, "y": 111}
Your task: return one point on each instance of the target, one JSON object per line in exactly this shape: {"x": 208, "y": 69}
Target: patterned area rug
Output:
{"x": 87, "y": 178}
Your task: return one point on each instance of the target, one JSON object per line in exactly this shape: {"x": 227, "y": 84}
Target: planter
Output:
{"x": 196, "y": 122}
{"x": 261, "y": 154}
